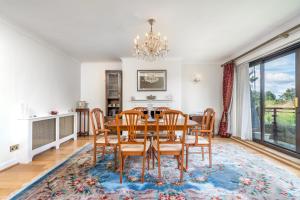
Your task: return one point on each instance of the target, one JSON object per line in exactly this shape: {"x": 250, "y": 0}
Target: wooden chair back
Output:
{"x": 159, "y": 110}
{"x": 170, "y": 121}
{"x": 141, "y": 109}
{"x": 131, "y": 119}
{"x": 208, "y": 120}
{"x": 97, "y": 121}
{"x": 144, "y": 110}
{"x": 162, "y": 109}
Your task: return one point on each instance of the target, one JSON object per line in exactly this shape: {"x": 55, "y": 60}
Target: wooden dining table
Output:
{"x": 151, "y": 126}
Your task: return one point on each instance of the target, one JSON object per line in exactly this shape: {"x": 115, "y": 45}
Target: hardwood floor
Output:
{"x": 14, "y": 178}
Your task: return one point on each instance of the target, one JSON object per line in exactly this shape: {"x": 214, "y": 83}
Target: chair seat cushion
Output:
{"x": 111, "y": 139}
{"x": 134, "y": 147}
{"x": 167, "y": 147}
{"x": 191, "y": 139}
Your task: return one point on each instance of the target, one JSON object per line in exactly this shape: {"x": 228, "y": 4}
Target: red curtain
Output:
{"x": 228, "y": 71}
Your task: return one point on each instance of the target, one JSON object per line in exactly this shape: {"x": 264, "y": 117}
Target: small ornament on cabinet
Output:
{"x": 53, "y": 112}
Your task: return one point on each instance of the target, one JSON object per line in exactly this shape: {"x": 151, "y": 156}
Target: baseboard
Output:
{"x": 8, "y": 164}
{"x": 291, "y": 161}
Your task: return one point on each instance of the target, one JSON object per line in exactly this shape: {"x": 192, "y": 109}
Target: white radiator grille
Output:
{"x": 66, "y": 126}
{"x": 43, "y": 132}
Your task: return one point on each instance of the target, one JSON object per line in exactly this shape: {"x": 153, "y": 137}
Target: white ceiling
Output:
{"x": 198, "y": 30}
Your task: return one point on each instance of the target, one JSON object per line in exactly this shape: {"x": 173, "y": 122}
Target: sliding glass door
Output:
{"x": 274, "y": 82}
{"x": 279, "y": 108}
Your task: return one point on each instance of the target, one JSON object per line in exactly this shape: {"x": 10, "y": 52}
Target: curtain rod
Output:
{"x": 284, "y": 34}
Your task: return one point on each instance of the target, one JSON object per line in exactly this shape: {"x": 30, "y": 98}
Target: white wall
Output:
{"x": 130, "y": 67}
{"x": 206, "y": 93}
{"x": 35, "y": 74}
{"x": 276, "y": 45}
{"x": 93, "y": 82}
{"x": 188, "y": 96}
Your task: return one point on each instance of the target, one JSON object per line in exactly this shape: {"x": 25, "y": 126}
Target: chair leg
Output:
{"x": 178, "y": 162}
{"x": 202, "y": 150}
{"x": 123, "y": 162}
{"x": 158, "y": 165}
{"x": 115, "y": 154}
{"x": 148, "y": 159}
{"x": 95, "y": 154}
{"x": 209, "y": 156}
{"x": 187, "y": 157}
{"x": 143, "y": 169}
{"x": 153, "y": 155}
{"x": 121, "y": 166}
{"x": 181, "y": 165}
{"x": 103, "y": 152}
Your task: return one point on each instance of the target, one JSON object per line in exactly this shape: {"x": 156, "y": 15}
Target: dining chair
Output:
{"x": 201, "y": 136}
{"x": 101, "y": 135}
{"x": 161, "y": 109}
{"x": 141, "y": 109}
{"x": 132, "y": 146}
{"x": 170, "y": 145}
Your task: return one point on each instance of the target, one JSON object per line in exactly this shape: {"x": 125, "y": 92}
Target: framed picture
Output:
{"x": 151, "y": 80}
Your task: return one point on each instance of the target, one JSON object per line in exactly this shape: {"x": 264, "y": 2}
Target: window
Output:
{"x": 274, "y": 90}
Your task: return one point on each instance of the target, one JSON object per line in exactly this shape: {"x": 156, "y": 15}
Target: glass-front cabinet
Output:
{"x": 113, "y": 81}
{"x": 275, "y": 85}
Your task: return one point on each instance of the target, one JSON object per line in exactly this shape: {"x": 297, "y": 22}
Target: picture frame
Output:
{"x": 151, "y": 80}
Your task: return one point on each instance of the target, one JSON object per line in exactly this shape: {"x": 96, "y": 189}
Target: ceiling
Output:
{"x": 198, "y": 30}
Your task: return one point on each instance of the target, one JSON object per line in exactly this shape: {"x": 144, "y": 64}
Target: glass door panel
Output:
{"x": 279, "y": 98}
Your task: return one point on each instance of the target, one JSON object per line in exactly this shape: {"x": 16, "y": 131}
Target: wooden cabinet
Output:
{"x": 84, "y": 122}
{"x": 198, "y": 118}
{"x": 113, "y": 79}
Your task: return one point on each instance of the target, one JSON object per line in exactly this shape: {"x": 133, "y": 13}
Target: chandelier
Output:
{"x": 153, "y": 46}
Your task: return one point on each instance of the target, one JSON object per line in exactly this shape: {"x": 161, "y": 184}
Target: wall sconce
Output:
{"x": 197, "y": 78}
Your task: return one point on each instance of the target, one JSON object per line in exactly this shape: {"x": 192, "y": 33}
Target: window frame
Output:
{"x": 295, "y": 48}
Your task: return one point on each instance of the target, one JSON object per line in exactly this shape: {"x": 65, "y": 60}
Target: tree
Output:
{"x": 270, "y": 96}
{"x": 288, "y": 95}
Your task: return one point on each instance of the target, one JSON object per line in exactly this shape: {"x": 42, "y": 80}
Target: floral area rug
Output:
{"x": 235, "y": 174}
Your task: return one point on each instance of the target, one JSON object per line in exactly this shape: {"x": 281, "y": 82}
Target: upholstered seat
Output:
{"x": 191, "y": 139}
{"x": 134, "y": 147}
{"x": 112, "y": 139}
{"x": 167, "y": 147}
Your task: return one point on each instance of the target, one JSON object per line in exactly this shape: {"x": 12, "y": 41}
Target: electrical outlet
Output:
{"x": 14, "y": 147}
